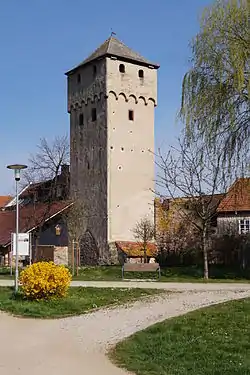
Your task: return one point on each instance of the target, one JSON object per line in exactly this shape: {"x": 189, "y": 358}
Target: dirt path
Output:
{"x": 175, "y": 286}
{"x": 79, "y": 344}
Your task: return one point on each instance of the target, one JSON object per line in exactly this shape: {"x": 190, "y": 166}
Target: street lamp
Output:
{"x": 17, "y": 168}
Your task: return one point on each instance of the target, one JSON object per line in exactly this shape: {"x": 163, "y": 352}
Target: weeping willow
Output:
{"x": 215, "y": 91}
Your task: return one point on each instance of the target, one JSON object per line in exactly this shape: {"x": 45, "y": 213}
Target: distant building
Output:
{"x": 234, "y": 209}
{"x": 42, "y": 206}
{"x": 4, "y": 200}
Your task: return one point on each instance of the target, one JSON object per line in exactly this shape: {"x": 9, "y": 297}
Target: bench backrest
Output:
{"x": 141, "y": 267}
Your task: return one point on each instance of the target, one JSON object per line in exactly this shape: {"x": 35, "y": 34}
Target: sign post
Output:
{"x": 24, "y": 246}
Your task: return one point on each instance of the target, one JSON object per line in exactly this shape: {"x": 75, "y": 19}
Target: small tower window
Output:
{"x": 94, "y": 70}
{"x": 81, "y": 119}
{"x": 122, "y": 68}
{"x": 141, "y": 73}
{"x": 79, "y": 78}
{"x": 93, "y": 114}
{"x": 131, "y": 115}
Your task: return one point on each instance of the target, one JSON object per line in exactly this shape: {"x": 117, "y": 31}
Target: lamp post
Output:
{"x": 17, "y": 168}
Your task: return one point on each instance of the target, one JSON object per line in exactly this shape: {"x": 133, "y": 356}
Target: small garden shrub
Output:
{"x": 45, "y": 280}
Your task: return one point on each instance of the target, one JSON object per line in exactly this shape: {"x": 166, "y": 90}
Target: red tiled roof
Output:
{"x": 31, "y": 188}
{"x": 30, "y": 217}
{"x": 134, "y": 249}
{"x": 4, "y": 200}
{"x": 237, "y": 198}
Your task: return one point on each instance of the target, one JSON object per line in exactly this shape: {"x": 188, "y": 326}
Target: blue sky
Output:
{"x": 41, "y": 39}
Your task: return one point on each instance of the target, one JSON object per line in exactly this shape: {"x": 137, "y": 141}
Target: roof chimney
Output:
{"x": 65, "y": 170}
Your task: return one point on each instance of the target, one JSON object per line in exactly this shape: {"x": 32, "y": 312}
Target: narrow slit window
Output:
{"x": 81, "y": 120}
{"x": 93, "y": 114}
{"x": 131, "y": 115}
{"x": 122, "y": 68}
{"x": 141, "y": 73}
{"x": 79, "y": 78}
{"x": 94, "y": 70}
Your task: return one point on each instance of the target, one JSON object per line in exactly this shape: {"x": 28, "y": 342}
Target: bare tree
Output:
{"x": 144, "y": 233}
{"x": 46, "y": 162}
{"x": 44, "y": 167}
{"x": 194, "y": 173}
{"x": 177, "y": 239}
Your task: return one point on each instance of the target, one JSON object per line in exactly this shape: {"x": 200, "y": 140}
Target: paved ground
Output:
{"x": 153, "y": 284}
{"x": 79, "y": 344}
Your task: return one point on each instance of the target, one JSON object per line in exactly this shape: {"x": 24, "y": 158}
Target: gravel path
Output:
{"x": 175, "y": 286}
{"x": 79, "y": 344}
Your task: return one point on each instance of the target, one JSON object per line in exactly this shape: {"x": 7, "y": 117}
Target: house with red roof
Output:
{"x": 234, "y": 209}
{"x": 4, "y": 199}
{"x": 41, "y": 215}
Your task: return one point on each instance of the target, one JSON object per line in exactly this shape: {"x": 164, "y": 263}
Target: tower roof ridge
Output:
{"x": 114, "y": 47}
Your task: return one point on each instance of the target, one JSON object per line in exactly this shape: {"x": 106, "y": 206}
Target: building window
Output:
{"x": 93, "y": 114}
{"x": 131, "y": 115}
{"x": 94, "y": 70}
{"x": 141, "y": 73}
{"x": 244, "y": 226}
{"x": 122, "y": 68}
{"x": 79, "y": 78}
{"x": 81, "y": 119}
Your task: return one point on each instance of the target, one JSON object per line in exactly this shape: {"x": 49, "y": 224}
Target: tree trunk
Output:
{"x": 73, "y": 257}
{"x": 204, "y": 249}
{"x": 77, "y": 258}
{"x": 145, "y": 252}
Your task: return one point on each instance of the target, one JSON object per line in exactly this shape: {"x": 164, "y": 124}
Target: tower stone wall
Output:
{"x": 111, "y": 102}
{"x": 130, "y": 147}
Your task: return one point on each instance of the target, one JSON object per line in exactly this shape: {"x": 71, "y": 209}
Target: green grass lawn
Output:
{"x": 174, "y": 274}
{"x": 210, "y": 341}
{"x": 79, "y": 301}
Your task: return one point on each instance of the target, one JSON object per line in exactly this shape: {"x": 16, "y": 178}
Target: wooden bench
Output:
{"x": 141, "y": 267}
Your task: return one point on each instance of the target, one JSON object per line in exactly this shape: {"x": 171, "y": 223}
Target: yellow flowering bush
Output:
{"x": 45, "y": 280}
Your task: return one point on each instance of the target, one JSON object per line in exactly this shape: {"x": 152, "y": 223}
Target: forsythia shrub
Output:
{"x": 45, "y": 280}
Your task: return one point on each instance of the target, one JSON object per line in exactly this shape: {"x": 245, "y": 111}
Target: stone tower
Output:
{"x": 111, "y": 100}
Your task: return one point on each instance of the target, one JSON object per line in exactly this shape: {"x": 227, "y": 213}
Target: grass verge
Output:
{"x": 79, "y": 301}
{"x": 210, "y": 341}
{"x": 193, "y": 274}
{"x": 170, "y": 274}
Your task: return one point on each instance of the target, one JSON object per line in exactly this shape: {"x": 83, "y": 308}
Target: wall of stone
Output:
{"x": 130, "y": 147}
{"x": 89, "y": 151}
{"x": 61, "y": 255}
{"x": 112, "y": 158}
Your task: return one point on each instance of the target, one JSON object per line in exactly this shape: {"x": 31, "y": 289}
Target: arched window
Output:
{"x": 81, "y": 119}
{"x": 141, "y": 73}
{"x": 122, "y": 68}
